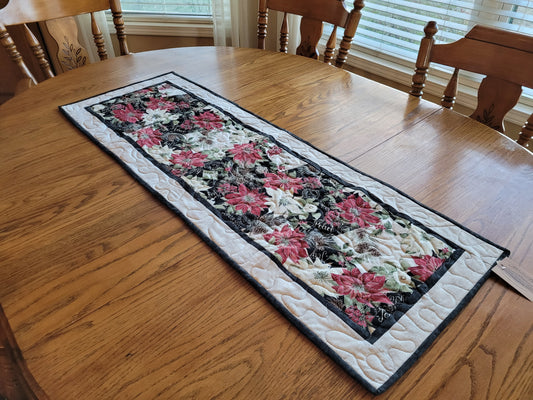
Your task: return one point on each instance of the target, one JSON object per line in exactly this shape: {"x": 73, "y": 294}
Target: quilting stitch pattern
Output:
{"x": 375, "y": 354}
{"x": 365, "y": 261}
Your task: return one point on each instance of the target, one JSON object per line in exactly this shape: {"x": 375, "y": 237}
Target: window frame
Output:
{"x": 165, "y": 24}
{"x": 154, "y": 24}
{"x": 400, "y": 70}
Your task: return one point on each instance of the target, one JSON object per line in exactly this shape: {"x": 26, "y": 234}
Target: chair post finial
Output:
{"x": 349, "y": 32}
{"x": 422, "y": 61}
{"x": 262, "y": 21}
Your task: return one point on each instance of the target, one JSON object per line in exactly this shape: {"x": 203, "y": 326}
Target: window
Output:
{"x": 192, "y": 18}
{"x": 389, "y": 33}
{"x": 396, "y": 27}
{"x": 184, "y": 7}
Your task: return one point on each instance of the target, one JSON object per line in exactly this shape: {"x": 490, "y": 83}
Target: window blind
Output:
{"x": 396, "y": 27}
{"x": 185, "y": 7}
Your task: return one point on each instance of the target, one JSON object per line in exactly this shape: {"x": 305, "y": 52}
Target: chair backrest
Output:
{"x": 314, "y": 13}
{"x": 22, "y": 12}
{"x": 506, "y": 60}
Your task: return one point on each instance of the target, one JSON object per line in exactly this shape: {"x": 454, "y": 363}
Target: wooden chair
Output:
{"x": 506, "y": 60}
{"x": 23, "y": 12}
{"x": 16, "y": 381}
{"x": 314, "y": 13}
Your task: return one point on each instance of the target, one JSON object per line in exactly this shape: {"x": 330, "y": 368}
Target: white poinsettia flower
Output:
{"x": 171, "y": 91}
{"x": 224, "y": 139}
{"x": 216, "y": 140}
{"x": 253, "y": 136}
{"x": 246, "y": 135}
{"x": 240, "y": 136}
{"x": 316, "y": 274}
{"x": 410, "y": 246}
{"x": 350, "y": 239}
{"x": 282, "y": 203}
{"x": 308, "y": 264}
{"x": 156, "y": 115}
{"x": 209, "y": 175}
{"x": 416, "y": 242}
{"x": 310, "y": 208}
{"x": 196, "y": 183}
{"x": 162, "y": 154}
{"x": 198, "y": 141}
{"x": 437, "y": 244}
{"x": 215, "y": 154}
{"x": 402, "y": 278}
{"x": 99, "y": 107}
{"x": 193, "y": 136}
{"x": 287, "y": 160}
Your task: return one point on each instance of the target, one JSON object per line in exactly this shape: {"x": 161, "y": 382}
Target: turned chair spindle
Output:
{"x": 501, "y": 56}
{"x": 23, "y": 12}
{"x": 314, "y": 14}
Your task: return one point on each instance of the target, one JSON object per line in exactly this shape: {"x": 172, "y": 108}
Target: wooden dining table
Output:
{"x": 107, "y": 290}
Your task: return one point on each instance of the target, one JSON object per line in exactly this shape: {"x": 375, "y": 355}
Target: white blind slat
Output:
{"x": 189, "y": 7}
{"x": 396, "y": 27}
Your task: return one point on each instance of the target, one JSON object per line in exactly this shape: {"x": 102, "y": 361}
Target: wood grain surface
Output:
{"x": 111, "y": 296}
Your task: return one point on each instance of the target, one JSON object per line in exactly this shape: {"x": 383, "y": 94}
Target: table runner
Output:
{"x": 368, "y": 274}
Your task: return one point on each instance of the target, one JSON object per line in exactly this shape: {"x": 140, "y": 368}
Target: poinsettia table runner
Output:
{"x": 368, "y": 274}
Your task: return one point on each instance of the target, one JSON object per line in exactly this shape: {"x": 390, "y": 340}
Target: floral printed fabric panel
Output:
{"x": 359, "y": 256}
{"x": 362, "y": 258}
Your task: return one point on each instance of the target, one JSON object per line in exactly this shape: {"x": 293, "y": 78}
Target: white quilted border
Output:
{"x": 375, "y": 363}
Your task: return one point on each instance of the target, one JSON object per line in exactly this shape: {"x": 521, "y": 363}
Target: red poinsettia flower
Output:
{"x": 148, "y": 137}
{"x": 291, "y": 243}
{"x": 188, "y": 159}
{"x": 187, "y": 125}
{"x": 127, "y": 113}
{"x": 208, "y": 120}
{"x": 160, "y": 104}
{"x": 332, "y": 218}
{"x": 313, "y": 182}
{"x": 274, "y": 150}
{"x": 247, "y": 200}
{"x": 182, "y": 105}
{"x": 425, "y": 266}
{"x": 358, "y": 317}
{"x": 226, "y": 187}
{"x": 356, "y": 210}
{"x": 246, "y": 153}
{"x": 365, "y": 287}
{"x": 283, "y": 181}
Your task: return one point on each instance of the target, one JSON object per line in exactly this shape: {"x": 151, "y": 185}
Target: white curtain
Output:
{"x": 85, "y": 36}
{"x": 235, "y": 24}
